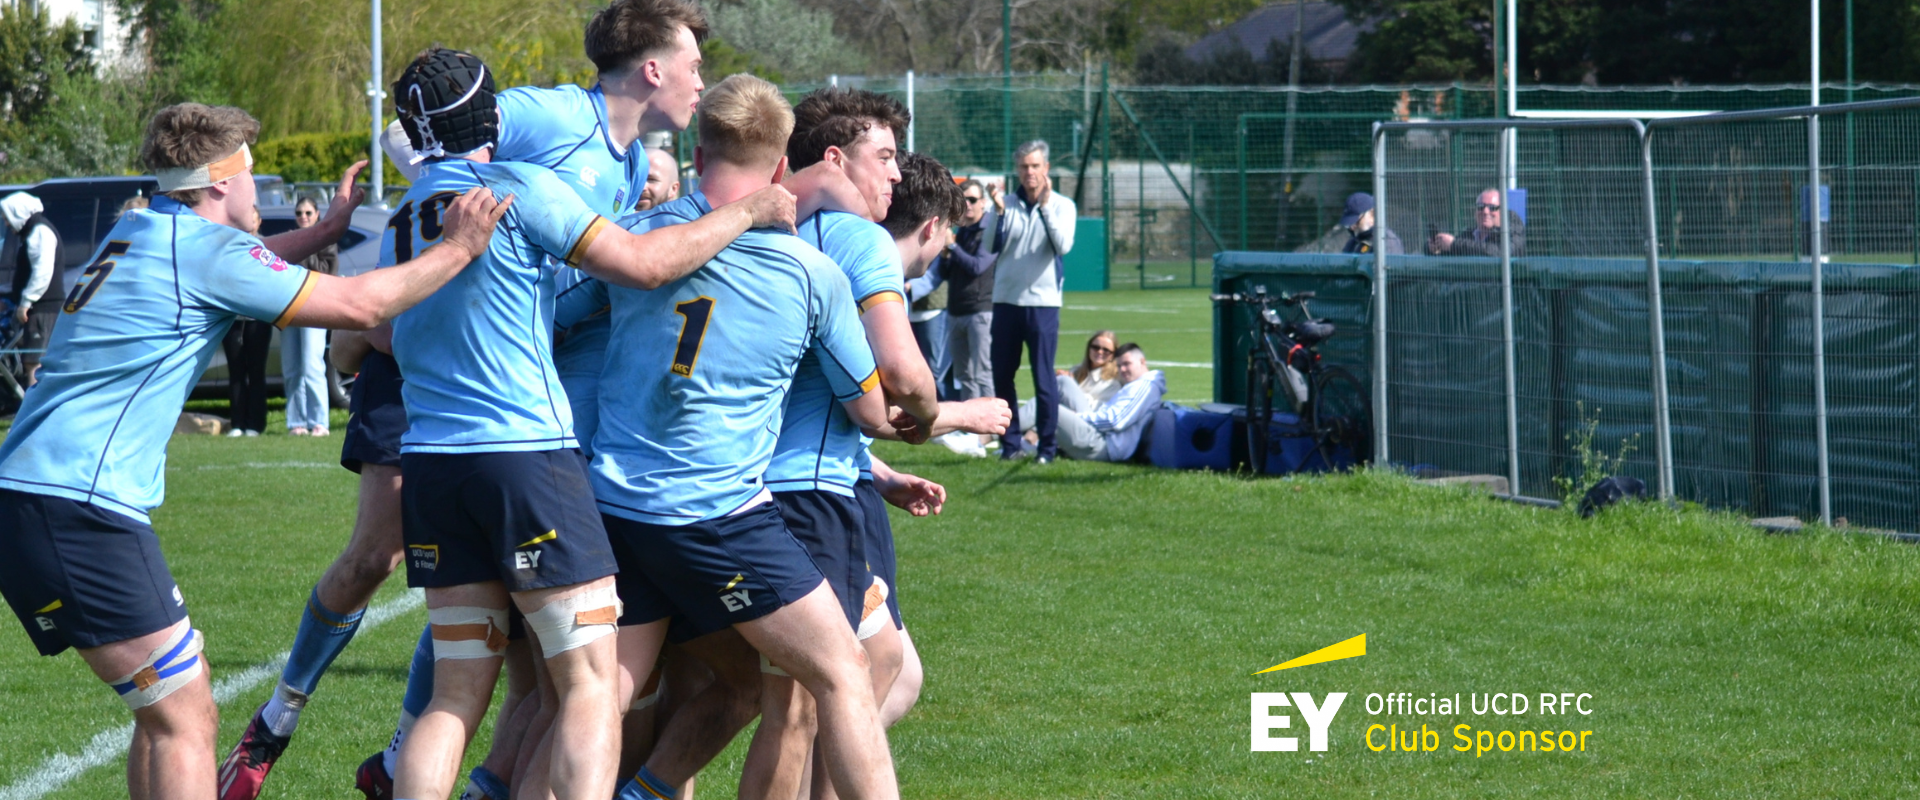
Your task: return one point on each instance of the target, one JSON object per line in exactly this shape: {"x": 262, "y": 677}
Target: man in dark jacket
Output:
{"x": 1483, "y": 239}
{"x": 968, "y": 268}
{"x": 1358, "y": 220}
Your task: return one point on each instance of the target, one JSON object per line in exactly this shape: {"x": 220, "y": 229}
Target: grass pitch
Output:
{"x": 1091, "y": 630}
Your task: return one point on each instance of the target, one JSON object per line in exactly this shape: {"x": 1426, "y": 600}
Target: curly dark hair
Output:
{"x": 926, "y": 190}
{"x": 835, "y": 117}
{"x": 627, "y": 30}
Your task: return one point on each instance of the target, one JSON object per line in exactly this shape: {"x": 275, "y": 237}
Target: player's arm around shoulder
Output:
{"x": 368, "y": 300}
{"x": 663, "y": 255}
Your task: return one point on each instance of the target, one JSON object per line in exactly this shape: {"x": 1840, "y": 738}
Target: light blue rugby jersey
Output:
{"x": 565, "y": 129}
{"x": 704, "y": 365}
{"x": 820, "y": 447}
{"x": 478, "y": 353}
{"x": 135, "y": 335}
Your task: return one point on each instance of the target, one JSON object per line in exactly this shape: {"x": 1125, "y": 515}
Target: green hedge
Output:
{"x": 315, "y": 157}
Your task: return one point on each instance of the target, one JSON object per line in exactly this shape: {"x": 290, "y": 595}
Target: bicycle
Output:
{"x": 1330, "y": 402}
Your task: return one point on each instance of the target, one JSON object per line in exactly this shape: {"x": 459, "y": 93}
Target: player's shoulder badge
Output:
{"x": 274, "y": 262}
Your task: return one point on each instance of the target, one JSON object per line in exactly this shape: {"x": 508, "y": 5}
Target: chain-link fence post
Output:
{"x": 1506, "y": 310}
{"x": 1816, "y": 250}
{"x": 1656, "y": 320}
{"x": 1380, "y": 441}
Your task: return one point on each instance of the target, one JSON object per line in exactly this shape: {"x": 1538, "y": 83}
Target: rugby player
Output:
{"x": 821, "y": 458}
{"x": 494, "y": 489}
{"x": 647, "y": 53}
{"x": 682, "y": 448}
{"x": 84, "y": 463}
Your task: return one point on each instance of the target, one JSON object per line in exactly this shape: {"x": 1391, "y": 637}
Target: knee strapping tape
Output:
{"x": 576, "y": 621}
{"x": 768, "y": 668}
{"x": 874, "y": 617}
{"x": 461, "y": 632}
{"x": 169, "y": 667}
{"x": 649, "y": 692}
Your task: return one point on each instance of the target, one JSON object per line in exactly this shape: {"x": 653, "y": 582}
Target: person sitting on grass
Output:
{"x": 1097, "y": 374}
{"x": 1111, "y": 430}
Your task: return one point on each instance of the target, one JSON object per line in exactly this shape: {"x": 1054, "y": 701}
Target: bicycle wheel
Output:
{"x": 1340, "y": 418}
{"x": 1259, "y": 410}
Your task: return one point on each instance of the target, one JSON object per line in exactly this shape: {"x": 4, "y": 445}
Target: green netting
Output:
{"x": 1740, "y": 366}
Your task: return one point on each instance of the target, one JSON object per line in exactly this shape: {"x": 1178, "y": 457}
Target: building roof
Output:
{"x": 1327, "y": 33}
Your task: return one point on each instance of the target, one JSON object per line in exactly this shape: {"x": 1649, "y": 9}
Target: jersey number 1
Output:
{"x": 697, "y": 312}
{"x": 402, "y": 223}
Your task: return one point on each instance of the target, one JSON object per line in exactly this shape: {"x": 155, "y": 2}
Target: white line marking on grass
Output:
{"x": 271, "y": 465}
{"x": 110, "y": 745}
{"x": 1182, "y": 364}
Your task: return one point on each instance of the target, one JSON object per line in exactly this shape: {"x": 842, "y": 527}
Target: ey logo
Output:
{"x": 734, "y": 600}
{"x": 1319, "y": 716}
{"x": 530, "y": 559}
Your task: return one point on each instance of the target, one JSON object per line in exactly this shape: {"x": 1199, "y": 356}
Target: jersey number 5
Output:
{"x": 697, "y": 312}
{"x": 402, "y": 223}
{"x": 94, "y": 276}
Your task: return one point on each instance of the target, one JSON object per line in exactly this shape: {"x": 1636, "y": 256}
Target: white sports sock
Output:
{"x": 392, "y": 753}
{"x": 282, "y": 711}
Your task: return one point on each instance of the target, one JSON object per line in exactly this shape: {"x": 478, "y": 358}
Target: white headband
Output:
{"x": 181, "y": 178}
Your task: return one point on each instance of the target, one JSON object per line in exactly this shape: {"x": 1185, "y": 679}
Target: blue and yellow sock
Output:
{"x": 419, "y": 694}
{"x": 321, "y": 637}
{"x": 644, "y": 785}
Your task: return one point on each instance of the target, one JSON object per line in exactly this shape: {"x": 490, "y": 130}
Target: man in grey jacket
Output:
{"x": 1109, "y": 431}
{"x": 1034, "y": 235}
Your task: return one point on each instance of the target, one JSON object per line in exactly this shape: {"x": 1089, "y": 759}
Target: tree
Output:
{"x": 798, "y": 42}
{"x": 33, "y": 54}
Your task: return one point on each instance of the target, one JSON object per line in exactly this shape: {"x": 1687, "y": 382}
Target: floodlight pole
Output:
{"x": 910, "y": 120}
{"x": 376, "y": 95}
{"x": 1006, "y": 83}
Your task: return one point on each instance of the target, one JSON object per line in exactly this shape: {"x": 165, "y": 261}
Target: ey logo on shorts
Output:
{"x": 734, "y": 600}
{"x": 423, "y": 556}
{"x": 46, "y": 623}
{"x": 530, "y": 559}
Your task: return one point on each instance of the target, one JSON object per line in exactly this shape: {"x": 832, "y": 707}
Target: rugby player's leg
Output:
{"x": 172, "y": 752}
{"x": 467, "y": 654}
{"x": 534, "y": 756}
{"x": 638, "y": 648}
{"x": 510, "y": 726}
{"x": 683, "y": 676}
{"x": 906, "y": 688}
{"x": 811, "y": 641}
{"x": 640, "y": 726}
{"x": 777, "y": 758}
{"x": 709, "y": 720}
{"x": 374, "y": 778}
{"x": 327, "y": 623}
{"x": 583, "y": 665}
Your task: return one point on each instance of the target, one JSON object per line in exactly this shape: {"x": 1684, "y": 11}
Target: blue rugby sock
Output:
{"x": 322, "y": 635}
{"x": 644, "y": 785}
{"x": 419, "y": 694}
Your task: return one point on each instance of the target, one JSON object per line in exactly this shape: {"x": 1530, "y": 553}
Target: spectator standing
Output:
{"x": 1483, "y": 239}
{"x": 37, "y": 291}
{"x": 303, "y": 351}
{"x": 967, "y": 266}
{"x": 1362, "y": 235}
{"x": 1033, "y": 235}
{"x": 246, "y": 349}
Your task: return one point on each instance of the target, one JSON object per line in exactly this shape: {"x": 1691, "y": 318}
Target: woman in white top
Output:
{"x": 1097, "y": 373}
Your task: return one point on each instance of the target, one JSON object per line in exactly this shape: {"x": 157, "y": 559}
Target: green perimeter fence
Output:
{"x": 1181, "y": 173}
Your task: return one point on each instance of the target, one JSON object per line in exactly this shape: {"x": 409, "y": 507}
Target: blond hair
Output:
{"x": 745, "y": 121}
{"x": 188, "y": 135}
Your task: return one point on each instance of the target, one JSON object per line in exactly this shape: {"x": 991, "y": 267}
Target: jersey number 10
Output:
{"x": 404, "y": 229}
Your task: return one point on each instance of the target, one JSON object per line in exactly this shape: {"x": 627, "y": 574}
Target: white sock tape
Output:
{"x": 768, "y": 668}
{"x": 874, "y": 616}
{"x": 576, "y": 621}
{"x": 169, "y": 667}
{"x": 461, "y": 632}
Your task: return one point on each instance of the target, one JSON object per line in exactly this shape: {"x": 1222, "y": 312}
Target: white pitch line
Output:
{"x": 109, "y": 745}
{"x": 271, "y": 465}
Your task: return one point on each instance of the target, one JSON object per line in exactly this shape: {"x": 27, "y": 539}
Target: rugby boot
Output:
{"x": 246, "y": 768}
{"x": 372, "y": 779}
